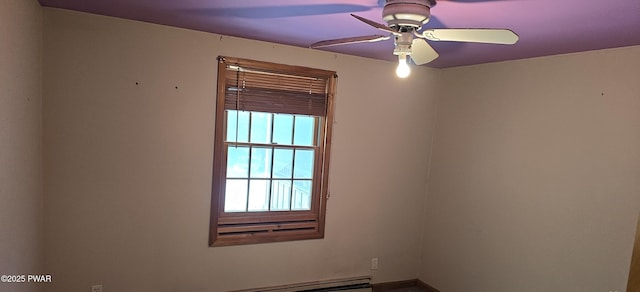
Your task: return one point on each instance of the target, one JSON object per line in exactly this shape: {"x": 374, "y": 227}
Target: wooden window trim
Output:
{"x": 229, "y": 228}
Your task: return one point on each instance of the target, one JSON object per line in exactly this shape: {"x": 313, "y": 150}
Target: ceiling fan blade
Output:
{"x": 422, "y": 52}
{"x": 350, "y": 40}
{"x": 379, "y": 26}
{"x": 473, "y": 35}
{"x": 269, "y": 12}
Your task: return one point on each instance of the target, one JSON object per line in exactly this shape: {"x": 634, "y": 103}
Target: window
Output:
{"x": 271, "y": 152}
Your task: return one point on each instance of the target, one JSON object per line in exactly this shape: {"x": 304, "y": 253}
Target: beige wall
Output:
{"x": 535, "y": 175}
{"x": 20, "y": 140}
{"x": 128, "y": 167}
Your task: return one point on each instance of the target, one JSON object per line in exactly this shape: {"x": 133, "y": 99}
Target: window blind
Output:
{"x": 271, "y": 89}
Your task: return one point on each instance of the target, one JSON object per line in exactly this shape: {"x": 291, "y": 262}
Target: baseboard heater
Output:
{"x": 358, "y": 284}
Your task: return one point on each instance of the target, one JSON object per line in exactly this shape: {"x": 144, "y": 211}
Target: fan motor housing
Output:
{"x": 412, "y": 13}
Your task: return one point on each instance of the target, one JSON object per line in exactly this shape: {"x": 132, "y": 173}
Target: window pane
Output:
{"x": 237, "y": 126}
{"x": 282, "y": 163}
{"x": 301, "y": 195}
{"x": 259, "y": 195}
{"x": 238, "y": 162}
{"x": 260, "y": 128}
{"x": 231, "y": 125}
{"x": 235, "y": 199}
{"x": 304, "y": 164}
{"x": 282, "y": 129}
{"x": 280, "y": 195}
{"x": 260, "y": 162}
{"x": 303, "y": 132}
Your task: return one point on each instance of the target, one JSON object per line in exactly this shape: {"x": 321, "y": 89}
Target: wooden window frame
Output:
{"x": 237, "y": 228}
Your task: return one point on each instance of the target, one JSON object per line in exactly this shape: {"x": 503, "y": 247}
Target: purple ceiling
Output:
{"x": 545, "y": 27}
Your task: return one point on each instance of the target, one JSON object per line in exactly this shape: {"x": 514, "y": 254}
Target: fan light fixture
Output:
{"x": 403, "y": 69}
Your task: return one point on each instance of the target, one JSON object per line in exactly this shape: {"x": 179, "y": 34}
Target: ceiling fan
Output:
{"x": 405, "y": 19}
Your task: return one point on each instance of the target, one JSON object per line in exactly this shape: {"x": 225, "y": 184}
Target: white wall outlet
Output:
{"x": 374, "y": 263}
{"x": 96, "y": 288}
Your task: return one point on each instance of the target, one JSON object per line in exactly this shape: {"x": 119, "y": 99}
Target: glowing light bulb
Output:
{"x": 403, "y": 69}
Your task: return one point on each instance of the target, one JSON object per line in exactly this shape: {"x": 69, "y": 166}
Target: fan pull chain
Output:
{"x": 237, "y": 105}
